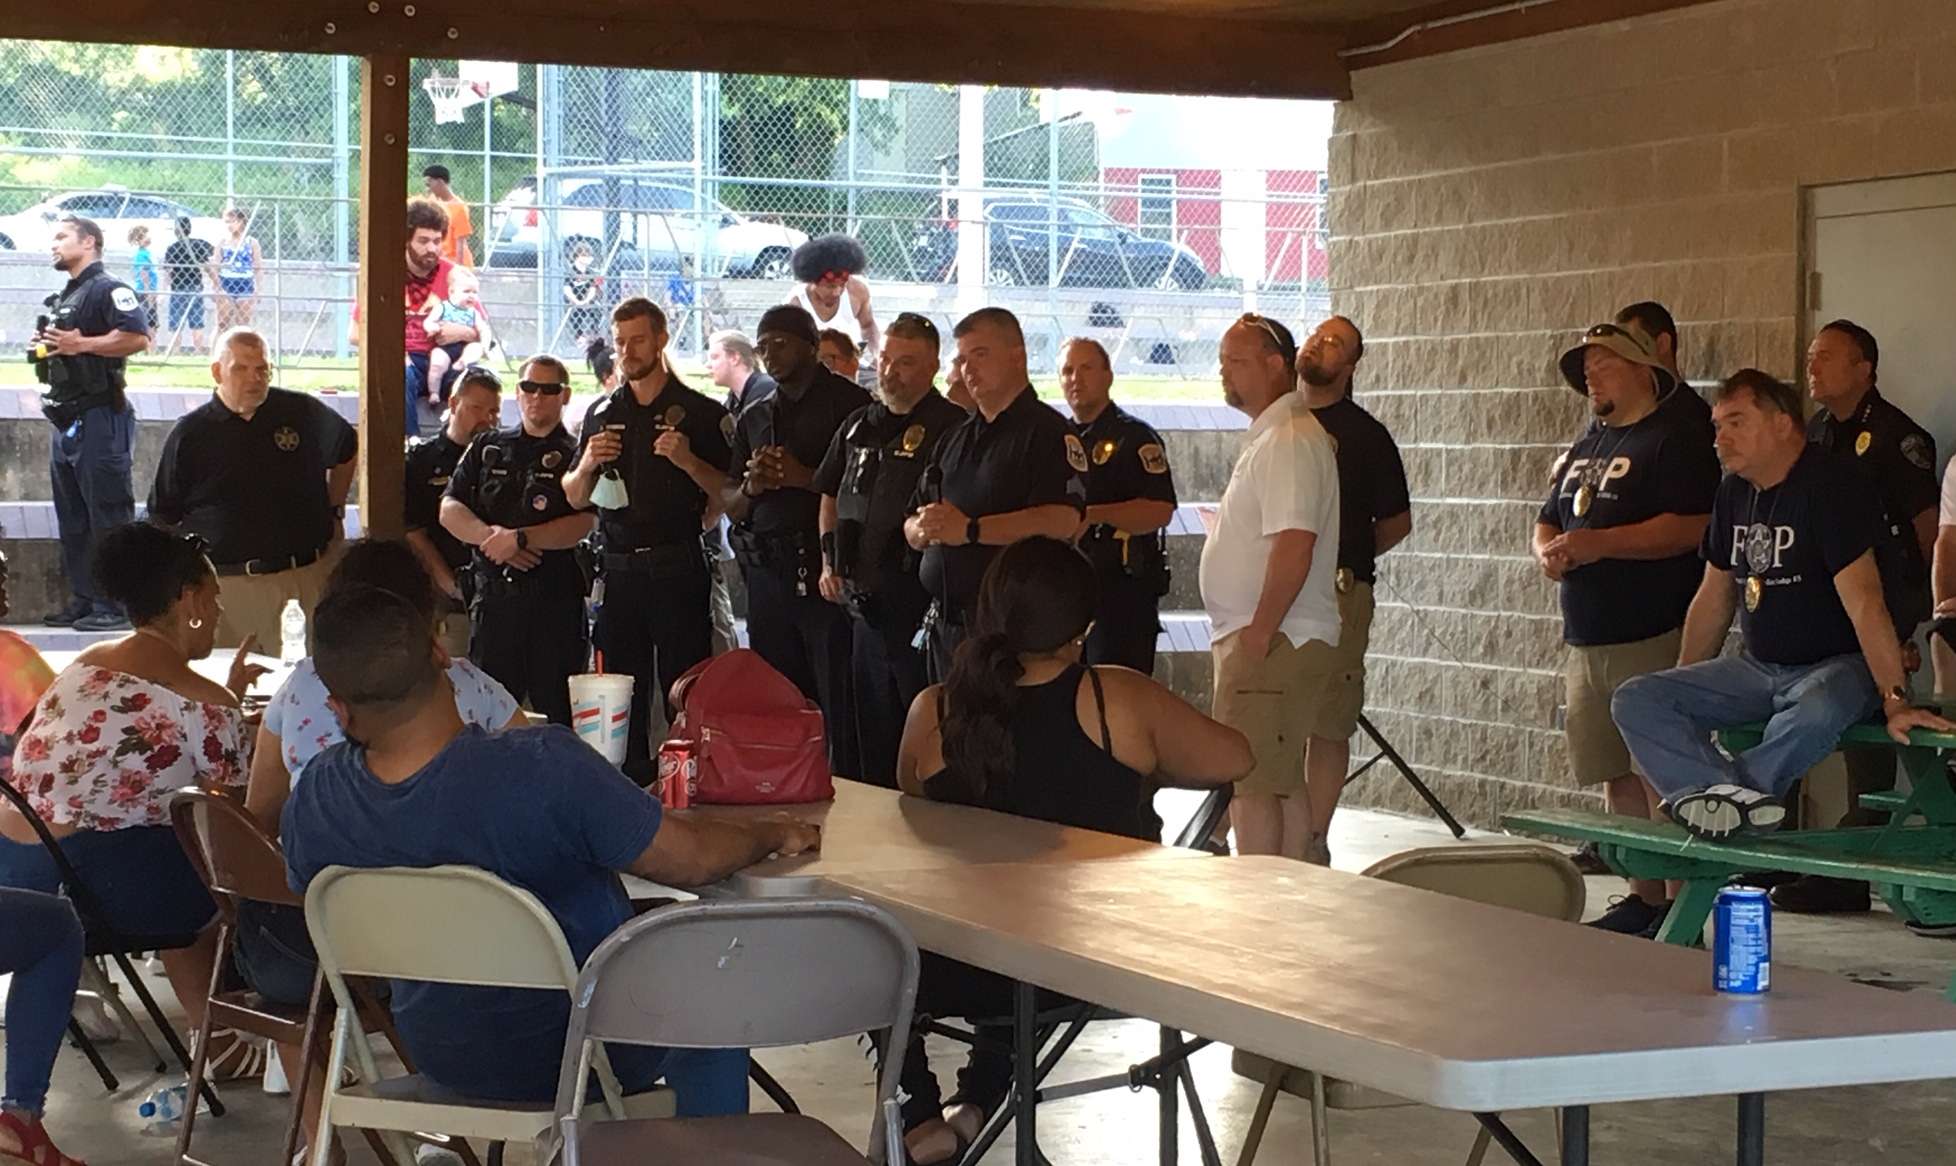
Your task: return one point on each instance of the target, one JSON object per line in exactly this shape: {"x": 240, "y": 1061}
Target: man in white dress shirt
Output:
{"x": 1269, "y": 571}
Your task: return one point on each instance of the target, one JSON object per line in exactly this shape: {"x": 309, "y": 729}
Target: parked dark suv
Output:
{"x": 1092, "y": 250}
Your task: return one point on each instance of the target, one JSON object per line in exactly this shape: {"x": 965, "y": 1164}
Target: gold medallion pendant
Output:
{"x": 1755, "y": 590}
{"x": 1584, "y": 496}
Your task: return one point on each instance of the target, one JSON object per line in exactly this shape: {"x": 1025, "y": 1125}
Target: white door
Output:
{"x": 1883, "y": 254}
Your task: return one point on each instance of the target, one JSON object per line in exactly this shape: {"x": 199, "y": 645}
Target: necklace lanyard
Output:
{"x": 1761, "y": 546}
{"x": 1589, "y": 482}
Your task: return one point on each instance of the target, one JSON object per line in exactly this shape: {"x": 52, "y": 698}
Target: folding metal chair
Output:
{"x": 446, "y": 925}
{"x": 738, "y": 974}
{"x": 1520, "y": 876}
{"x": 104, "y": 941}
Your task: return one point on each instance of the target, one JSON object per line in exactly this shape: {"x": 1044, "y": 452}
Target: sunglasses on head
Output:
{"x": 1269, "y": 328}
{"x": 919, "y": 319}
{"x": 542, "y": 388}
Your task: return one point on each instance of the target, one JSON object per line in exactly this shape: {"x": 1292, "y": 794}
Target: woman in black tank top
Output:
{"x": 1021, "y": 727}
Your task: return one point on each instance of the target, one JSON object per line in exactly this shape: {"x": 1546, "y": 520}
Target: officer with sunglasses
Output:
{"x": 506, "y": 499}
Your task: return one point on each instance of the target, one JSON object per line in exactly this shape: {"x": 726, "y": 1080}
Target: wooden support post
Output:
{"x": 383, "y": 245}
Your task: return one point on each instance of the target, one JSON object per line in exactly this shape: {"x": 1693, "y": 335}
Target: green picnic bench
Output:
{"x": 1910, "y": 861}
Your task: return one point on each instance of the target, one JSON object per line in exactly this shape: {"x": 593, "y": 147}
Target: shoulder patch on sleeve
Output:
{"x": 727, "y": 427}
{"x": 123, "y": 299}
{"x": 1076, "y": 454}
{"x": 1917, "y": 450}
{"x": 1153, "y": 458}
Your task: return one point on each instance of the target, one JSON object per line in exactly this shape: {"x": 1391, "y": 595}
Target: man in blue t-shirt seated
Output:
{"x": 412, "y": 786}
{"x": 1793, "y": 539}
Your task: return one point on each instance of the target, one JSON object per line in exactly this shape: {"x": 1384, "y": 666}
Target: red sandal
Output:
{"x": 31, "y": 1145}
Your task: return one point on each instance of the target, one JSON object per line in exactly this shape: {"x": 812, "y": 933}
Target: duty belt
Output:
{"x": 271, "y": 566}
{"x": 673, "y": 559}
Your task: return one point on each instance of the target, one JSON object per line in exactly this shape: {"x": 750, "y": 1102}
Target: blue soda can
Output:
{"x": 1742, "y": 938}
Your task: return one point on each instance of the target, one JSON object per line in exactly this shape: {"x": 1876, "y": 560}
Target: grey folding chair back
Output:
{"x": 753, "y": 974}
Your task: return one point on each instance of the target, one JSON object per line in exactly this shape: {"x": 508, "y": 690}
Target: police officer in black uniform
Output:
{"x": 473, "y": 409}
{"x": 506, "y": 499}
{"x": 1011, "y": 470}
{"x": 866, "y": 482}
{"x": 778, "y": 442}
{"x": 1130, "y": 500}
{"x": 92, "y": 326}
{"x": 1899, "y": 456}
{"x": 652, "y": 452}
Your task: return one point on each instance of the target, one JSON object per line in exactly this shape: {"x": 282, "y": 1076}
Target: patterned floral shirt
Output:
{"x": 105, "y": 750}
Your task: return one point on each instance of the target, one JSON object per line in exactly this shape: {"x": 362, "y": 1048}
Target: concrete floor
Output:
{"x": 1901, "y": 1124}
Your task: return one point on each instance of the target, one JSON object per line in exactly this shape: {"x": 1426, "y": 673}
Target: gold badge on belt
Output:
{"x": 1345, "y": 579}
{"x": 1862, "y": 443}
{"x": 1755, "y": 590}
{"x": 1584, "y": 497}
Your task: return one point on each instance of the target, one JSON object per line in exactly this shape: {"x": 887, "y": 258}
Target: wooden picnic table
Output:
{"x": 1910, "y": 863}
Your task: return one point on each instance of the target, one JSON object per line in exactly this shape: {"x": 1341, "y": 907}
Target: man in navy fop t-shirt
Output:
{"x": 411, "y": 786}
{"x": 1792, "y": 539}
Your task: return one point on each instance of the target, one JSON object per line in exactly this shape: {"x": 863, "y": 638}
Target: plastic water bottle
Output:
{"x": 162, "y": 1111}
{"x": 292, "y": 633}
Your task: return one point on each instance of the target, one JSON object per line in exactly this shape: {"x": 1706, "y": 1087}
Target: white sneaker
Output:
{"x": 431, "y": 1155}
{"x": 95, "y": 1019}
{"x": 275, "y": 1082}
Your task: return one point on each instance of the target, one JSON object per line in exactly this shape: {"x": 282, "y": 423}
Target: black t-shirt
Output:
{"x": 430, "y": 463}
{"x": 805, "y": 424}
{"x": 1795, "y": 537}
{"x": 184, "y": 262}
{"x": 665, "y": 506}
{"x": 1026, "y": 456}
{"x": 757, "y": 388}
{"x": 1371, "y": 483}
{"x": 872, "y": 469}
{"x": 514, "y": 478}
{"x": 253, "y": 489}
{"x": 1660, "y": 465}
{"x": 1899, "y": 457}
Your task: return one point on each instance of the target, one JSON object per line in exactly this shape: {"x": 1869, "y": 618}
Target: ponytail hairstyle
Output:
{"x": 1038, "y": 594}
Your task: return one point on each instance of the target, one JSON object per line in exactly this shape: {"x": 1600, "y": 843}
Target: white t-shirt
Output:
{"x": 1286, "y": 478}
{"x": 305, "y": 726}
{"x": 1946, "y": 515}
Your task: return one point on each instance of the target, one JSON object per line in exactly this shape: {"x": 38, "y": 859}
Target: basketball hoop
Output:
{"x": 452, "y": 97}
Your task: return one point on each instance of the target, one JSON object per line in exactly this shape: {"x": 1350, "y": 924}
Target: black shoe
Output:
{"x": 1819, "y": 895}
{"x": 1657, "y": 926}
{"x": 102, "y": 621}
{"x": 1589, "y": 860}
{"x": 1630, "y": 915}
{"x": 66, "y": 617}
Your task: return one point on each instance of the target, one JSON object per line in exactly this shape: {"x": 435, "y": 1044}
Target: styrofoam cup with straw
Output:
{"x": 601, "y": 710}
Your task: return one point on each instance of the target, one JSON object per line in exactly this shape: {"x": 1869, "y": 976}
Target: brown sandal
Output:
{"x": 31, "y": 1145}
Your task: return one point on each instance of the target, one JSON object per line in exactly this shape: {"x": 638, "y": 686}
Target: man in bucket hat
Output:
{"x": 1619, "y": 535}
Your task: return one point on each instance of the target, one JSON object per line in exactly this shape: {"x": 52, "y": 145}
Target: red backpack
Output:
{"x": 756, "y": 740}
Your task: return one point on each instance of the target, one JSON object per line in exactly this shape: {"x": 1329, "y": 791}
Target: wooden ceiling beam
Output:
{"x": 952, "y": 42}
{"x": 1495, "y": 28}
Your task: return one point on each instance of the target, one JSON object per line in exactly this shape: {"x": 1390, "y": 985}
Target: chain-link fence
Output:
{"x": 1085, "y": 213}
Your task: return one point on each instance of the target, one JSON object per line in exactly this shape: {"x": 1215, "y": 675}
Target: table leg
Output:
{"x": 1752, "y": 1129}
{"x": 1025, "y": 1074}
{"x": 1575, "y": 1135}
{"x": 1171, "y": 1117}
{"x": 1685, "y": 924}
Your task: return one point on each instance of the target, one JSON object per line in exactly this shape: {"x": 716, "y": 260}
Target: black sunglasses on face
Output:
{"x": 541, "y": 387}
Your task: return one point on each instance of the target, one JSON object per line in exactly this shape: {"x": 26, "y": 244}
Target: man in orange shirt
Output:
{"x": 455, "y": 247}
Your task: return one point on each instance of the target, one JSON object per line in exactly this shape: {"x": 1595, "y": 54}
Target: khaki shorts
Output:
{"x": 1344, "y": 700}
{"x": 1275, "y": 702}
{"x": 1596, "y": 750}
{"x": 254, "y": 603}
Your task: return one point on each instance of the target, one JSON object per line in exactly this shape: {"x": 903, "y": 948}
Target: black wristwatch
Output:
{"x": 971, "y": 530}
{"x": 522, "y": 540}
{"x": 1897, "y": 693}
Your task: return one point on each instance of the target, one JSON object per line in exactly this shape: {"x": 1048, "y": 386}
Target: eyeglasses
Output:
{"x": 541, "y": 388}
{"x": 918, "y": 319}
{"x": 1285, "y": 348}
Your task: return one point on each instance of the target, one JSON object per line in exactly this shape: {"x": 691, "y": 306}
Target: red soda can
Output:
{"x": 678, "y": 773}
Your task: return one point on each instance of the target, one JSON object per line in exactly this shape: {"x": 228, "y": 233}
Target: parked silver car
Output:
{"x": 658, "y": 225}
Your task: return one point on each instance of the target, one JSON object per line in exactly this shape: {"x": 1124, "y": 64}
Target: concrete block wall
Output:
{"x": 1490, "y": 204}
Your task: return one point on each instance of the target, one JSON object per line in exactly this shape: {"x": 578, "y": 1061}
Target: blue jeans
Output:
{"x": 41, "y": 944}
{"x": 90, "y": 466}
{"x": 1667, "y": 719}
{"x": 704, "y": 1082}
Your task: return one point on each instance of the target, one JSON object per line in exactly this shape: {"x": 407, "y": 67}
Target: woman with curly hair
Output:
{"x": 830, "y": 270}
